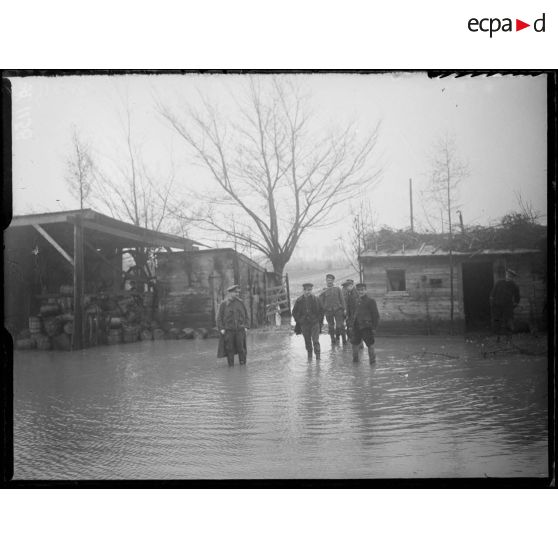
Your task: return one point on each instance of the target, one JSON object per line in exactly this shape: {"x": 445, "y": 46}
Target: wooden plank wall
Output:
{"x": 192, "y": 285}
{"x": 426, "y": 309}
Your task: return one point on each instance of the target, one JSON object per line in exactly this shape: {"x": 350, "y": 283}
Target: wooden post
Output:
{"x": 79, "y": 314}
{"x": 288, "y": 292}
{"x": 411, "y": 202}
{"x": 265, "y": 297}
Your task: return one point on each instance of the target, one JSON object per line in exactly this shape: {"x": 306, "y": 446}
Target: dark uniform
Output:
{"x": 333, "y": 304}
{"x": 349, "y": 296}
{"x": 308, "y": 315}
{"x": 363, "y": 321}
{"x": 233, "y": 318}
{"x": 503, "y": 299}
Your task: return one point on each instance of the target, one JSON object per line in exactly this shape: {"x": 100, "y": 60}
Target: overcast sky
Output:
{"x": 499, "y": 124}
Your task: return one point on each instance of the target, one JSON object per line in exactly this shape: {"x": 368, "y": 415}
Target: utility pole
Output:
{"x": 450, "y": 256}
{"x": 411, "y": 202}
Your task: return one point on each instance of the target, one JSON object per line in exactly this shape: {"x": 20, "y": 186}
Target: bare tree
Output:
{"x": 354, "y": 242}
{"x": 527, "y": 210}
{"x": 80, "y": 171}
{"x": 447, "y": 171}
{"x": 129, "y": 190}
{"x": 274, "y": 173}
{"x": 126, "y": 188}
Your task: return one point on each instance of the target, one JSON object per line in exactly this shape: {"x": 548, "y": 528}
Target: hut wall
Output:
{"x": 424, "y": 307}
{"x": 192, "y": 285}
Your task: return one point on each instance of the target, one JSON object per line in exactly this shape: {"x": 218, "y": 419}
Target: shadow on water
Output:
{"x": 430, "y": 407}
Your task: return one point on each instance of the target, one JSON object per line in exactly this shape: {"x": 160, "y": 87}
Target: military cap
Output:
{"x": 310, "y": 285}
{"x": 330, "y": 276}
{"x": 347, "y": 282}
{"x": 361, "y": 285}
{"x": 233, "y": 288}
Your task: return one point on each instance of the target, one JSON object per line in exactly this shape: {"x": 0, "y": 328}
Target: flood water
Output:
{"x": 171, "y": 410}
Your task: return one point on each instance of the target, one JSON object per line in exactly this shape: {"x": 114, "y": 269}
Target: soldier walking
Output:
{"x": 504, "y": 297}
{"x": 232, "y": 321}
{"x": 308, "y": 315}
{"x": 333, "y": 304}
{"x": 349, "y": 297}
{"x": 363, "y": 321}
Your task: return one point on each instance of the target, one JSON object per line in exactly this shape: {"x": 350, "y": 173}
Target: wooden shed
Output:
{"x": 413, "y": 289}
{"x": 71, "y": 258}
{"x": 193, "y": 284}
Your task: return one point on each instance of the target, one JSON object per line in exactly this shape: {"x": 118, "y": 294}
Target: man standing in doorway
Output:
{"x": 333, "y": 304}
{"x": 504, "y": 297}
{"x": 363, "y": 323}
{"x": 232, "y": 321}
{"x": 308, "y": 315}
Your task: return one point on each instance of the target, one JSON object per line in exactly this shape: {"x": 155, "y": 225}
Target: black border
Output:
{"x": 6, "y": 385}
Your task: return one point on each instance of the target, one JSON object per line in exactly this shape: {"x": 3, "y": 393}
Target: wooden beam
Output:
{"x": 79, "y": 314}
{"x": 108, "y": 262}
{"x": 143, "y": 239}
{"x": 53, "y": 242}
{"x": 42, "y": 219}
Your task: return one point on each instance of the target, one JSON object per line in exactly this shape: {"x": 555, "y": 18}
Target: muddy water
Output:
{"x": 171, "y": 410}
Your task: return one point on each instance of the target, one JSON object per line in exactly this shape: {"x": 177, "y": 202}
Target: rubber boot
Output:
{"x": 309, "y": 355}
{"x": 332, "y": 335}
{"x": 344, "y": 338}
{"x": 355, "y": 353}
{"x": 230, "y": 360}
{"x": 371, "y": 354}
{"x": 317, "y": 355}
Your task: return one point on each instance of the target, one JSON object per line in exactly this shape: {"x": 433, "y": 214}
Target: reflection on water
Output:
{"x": 170, "y": 409}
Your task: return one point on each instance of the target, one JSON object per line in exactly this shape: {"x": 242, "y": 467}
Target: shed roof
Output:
{"x": 101, "y": 230}
{"x": 426, "y": 251}
{"x": 201, "y": 253}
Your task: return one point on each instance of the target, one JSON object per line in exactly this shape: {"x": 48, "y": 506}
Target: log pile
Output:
{"x": 110, "y": 318}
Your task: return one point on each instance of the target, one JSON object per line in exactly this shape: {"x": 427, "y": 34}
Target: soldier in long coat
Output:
{"x": 308, "y": 315}
{"x": 504, "y": 297}
{"x": 363, "y": 322}
{"x": 333, "y": 304}
{"x": 232, "y": 322}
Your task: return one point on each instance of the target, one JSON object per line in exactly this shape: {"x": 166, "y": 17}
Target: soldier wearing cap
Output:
{"x": 308, "y": 315}
{"x": 363, "y": 322}
{"x": 232, "y": 321}
{"x": 333, "y": 304}
{"x": 350, "y": 297}
{"x": 504, "y": 297}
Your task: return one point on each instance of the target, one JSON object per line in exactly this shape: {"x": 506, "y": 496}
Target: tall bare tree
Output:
{"x": 80, "y": 171}
{"x": 273, "y": 171}
{"x": 354, "y": 241}
{"x": 447, "y": 172}
{"x": 125, "y": 187}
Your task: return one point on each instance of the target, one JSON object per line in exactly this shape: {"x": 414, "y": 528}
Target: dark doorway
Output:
{"x": 478, "y": 281}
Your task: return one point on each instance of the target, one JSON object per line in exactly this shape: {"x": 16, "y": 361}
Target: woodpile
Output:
{"x": 109, "y": 318}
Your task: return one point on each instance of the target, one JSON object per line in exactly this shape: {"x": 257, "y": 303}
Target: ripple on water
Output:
{"x": 172, "y": 410}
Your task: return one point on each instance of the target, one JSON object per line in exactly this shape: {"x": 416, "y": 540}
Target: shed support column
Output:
{"x": 79, "y": 314}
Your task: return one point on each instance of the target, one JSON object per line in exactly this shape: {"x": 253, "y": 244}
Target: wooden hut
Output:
{"x": 193, "y": 284}
{"x": 413, "y": 287}
{"x": 69, "y": 264}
